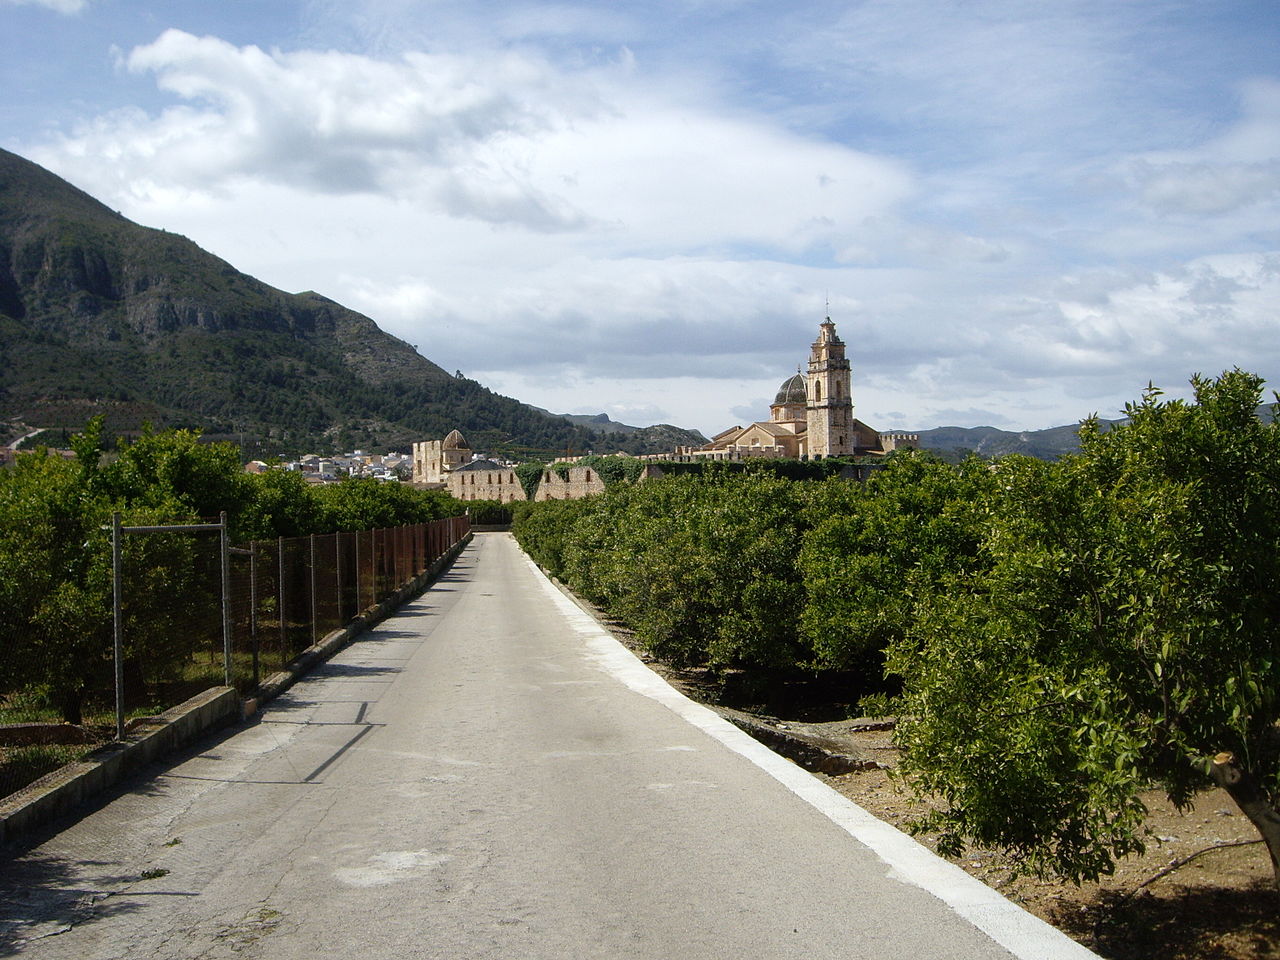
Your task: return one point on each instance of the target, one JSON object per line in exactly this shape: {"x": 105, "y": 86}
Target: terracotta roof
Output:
{"x": 770, "y": 428}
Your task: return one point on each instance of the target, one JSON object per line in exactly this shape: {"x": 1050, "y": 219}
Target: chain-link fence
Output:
{"x": 289, "y": 593}
{"x": 180, "y": 632}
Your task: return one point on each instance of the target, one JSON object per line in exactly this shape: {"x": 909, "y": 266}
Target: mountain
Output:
{"x": 1048, "y": 444}
{"x": 99, "y": 315}
{"x": 595, "y": 422}
{"x": 662, "y": 436}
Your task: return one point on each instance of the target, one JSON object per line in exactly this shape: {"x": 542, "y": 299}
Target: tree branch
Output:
{"x": 1176, "y": 864}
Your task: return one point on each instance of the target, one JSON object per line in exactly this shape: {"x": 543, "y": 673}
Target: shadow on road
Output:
{"x": 44, "y": 896}
{"x": 351, "y": 671}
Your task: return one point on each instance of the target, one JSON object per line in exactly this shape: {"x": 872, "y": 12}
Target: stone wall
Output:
{"x": 502, "y": 485}
{"x": 582, "y": 482}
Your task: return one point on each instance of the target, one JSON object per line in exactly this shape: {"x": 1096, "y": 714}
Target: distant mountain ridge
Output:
{"x": 100, "y": 315}
{"x": 1048, "y": 444}
{"x": 664, "y": 436}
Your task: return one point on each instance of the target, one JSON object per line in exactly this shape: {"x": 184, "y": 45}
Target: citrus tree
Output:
{"x": 1123, "y": 634}
{"x": 55, "y": 575}
{"x": 877, "y": 549}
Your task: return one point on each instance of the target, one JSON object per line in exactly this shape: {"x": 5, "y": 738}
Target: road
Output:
{"x": 488, "y": 774}
{"x": 26, "y": 436}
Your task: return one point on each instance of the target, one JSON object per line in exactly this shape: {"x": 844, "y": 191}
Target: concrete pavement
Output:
{"x": 489, "y": 774}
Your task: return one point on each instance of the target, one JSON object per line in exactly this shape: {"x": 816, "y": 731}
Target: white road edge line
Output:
{"x": 1023, "y": 934}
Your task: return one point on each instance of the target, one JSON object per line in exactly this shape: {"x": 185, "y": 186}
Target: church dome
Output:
{"x": 792, "y": 391}
{"x": 454, "y": 441}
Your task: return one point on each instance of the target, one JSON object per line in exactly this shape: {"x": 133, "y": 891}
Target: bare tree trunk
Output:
{"x": 1253, "y": 803}
{"x": 70, "y": 702}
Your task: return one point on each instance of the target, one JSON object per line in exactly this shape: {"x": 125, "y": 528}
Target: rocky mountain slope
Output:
{"x": 100, "y": 315}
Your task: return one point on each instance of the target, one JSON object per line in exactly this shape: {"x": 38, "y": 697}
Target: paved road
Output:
{"x": 488, "y": 774}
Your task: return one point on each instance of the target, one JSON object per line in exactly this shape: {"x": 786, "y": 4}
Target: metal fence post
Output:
{"x": 284, "y": 630}
{"x": 225, "y": 542}
{"x": 253, "y": 605}
{"x": 356, "y": 564}
{"x": 117, "y": 621}
{"x": 337, "y": 575}
{"x": 314, "y": 638}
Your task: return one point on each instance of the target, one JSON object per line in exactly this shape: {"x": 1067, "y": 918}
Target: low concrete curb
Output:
{"x": 59, "y": 793}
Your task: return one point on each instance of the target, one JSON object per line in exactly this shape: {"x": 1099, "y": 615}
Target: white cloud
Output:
{"x": 1215, "y": 313}
{"x": 502, "y": 139}
{"x": 647, "y": 234}
{"x": 1204, "y": 189}
{"x": 1234, "y": 171}
{"x": 59, "y": 6}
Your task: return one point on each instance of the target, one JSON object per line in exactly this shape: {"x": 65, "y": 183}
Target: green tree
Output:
{"x": 55, "y": 574}
{"x": 875, "y": 551}
{"x": 1123, "y": 635}
{"x": 702, "y": 568}
{"x": 283, "y": 504}
{"x": 529, "y": 474}
{"x": 174, "y": 470}
{"x": 613, "y": 469}
{"x": 362, "y": 503}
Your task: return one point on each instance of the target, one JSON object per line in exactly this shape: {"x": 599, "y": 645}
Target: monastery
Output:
{"x": 812, "y": 416}
{"x": 449, "y": 464}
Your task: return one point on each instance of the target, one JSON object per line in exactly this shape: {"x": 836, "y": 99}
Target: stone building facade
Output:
{"x": 581, "y": 482}
{"x": 434, "y": 460}
{"x": 450, "y": 464}
{"x": 811, "y": 416}
{"x": 485, "y": 480}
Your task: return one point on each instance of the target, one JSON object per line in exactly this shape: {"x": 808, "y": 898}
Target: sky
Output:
{"x": 1017, "y": 213}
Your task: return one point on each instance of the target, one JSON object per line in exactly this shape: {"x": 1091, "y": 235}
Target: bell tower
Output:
{"x": 829, "y": 409}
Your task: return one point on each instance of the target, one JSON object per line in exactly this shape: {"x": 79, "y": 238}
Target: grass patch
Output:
{"x": 20, "y": 766}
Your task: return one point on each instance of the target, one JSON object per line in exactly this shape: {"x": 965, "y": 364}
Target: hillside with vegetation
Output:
{"x": 1048, "y": 444}
{"x": 100, "y": 316}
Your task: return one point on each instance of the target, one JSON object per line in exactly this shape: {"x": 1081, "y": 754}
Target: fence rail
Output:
{"x": 195, "y": 613}
{"x": 289, "y": 593}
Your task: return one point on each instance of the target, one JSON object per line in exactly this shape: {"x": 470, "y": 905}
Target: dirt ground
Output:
{"x": 1204, "y": 888}
{"x": 1217, "y": 901}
